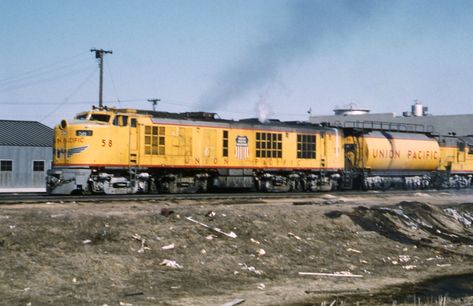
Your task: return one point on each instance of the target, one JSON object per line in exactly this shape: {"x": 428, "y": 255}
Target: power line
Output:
{"x": 45, "y": 69}
{"x": 70, "y": 95}
{"x": 44, "y": 80}
{"x": 113, "y": 84}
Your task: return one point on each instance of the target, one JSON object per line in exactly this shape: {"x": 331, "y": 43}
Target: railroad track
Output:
{"x": 25, "y": 198}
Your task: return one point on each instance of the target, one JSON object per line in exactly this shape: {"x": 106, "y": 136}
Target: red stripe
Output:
{"x": 195, "y": 167}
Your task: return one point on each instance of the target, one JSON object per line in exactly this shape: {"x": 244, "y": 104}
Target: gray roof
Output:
{"x": 441, "y": 124}
{"x": 25, "y": 133}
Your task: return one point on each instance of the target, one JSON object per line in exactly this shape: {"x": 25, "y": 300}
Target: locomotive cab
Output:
{"x": 89, "y": 148}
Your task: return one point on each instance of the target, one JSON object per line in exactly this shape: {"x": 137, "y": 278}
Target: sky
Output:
{"x": 235, "y": 58}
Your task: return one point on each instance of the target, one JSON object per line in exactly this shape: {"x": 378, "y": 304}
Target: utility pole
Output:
{"x": 99, "y": 56}
{"x": 155, "y": 102}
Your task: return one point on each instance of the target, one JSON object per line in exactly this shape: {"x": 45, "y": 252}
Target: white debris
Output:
{"x": 211, "y": 214}
{"x": 261, "y": 286}
{"x": 409, "y": 267}
{"x": 143, "y": 246}
{"x": 254, "y": 241}
{"x": 335, "y": 274}
{"x": 443, "y": 265}
{"x": 74, "y": 280}
{"x": 421, "y": 194}
{"x": 463, "y": 217}
{"x": 87, "y": 241}
{"x": 12, "y": 226}
{"x": 125, "y": 304}
{"x": 250, "y": 269}
{"x": 168, "y": 247}
{"x": 230, "y": 234}
{"x": 136, "y": 237}
{"x": 404, "y": 258}
{"x": 170, "y": 263}
{"x": 329, "y": 196}
{"x": 203, "y": 252}
{"x": 210, "y": 237}
{"x": 294, "y": 236}
{"x": 353, "y": 250}
{"x": 261, "y": 252}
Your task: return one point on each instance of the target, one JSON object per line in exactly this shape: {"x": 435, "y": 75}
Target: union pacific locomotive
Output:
{"x": 122, "y": 151}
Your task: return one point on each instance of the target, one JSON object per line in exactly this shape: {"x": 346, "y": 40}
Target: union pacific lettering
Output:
{"x": 411, "y": 154}
{"x": 390, "y": 154}
{"x": 70, "y": 140}
{"x": 422, "y": 154}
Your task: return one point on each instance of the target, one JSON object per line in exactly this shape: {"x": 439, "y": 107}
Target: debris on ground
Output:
{"x": 143, "y": 243}
{"x": 335, "y": 274}
{"x": 170, "y": 263}
{"x": 166, "y": 211}
{"x": 168, "y": 247}
{"x": 254, "y": 241}
{"x": 230, "y": 234}
{"x": 233, "y": 302}
{"x": 211, "y": 215}
{"x": 294, "y": 236}
{"x": 250, "y": 269}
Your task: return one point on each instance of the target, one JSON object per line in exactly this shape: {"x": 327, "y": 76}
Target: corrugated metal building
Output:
{"x": 25, "y": 155}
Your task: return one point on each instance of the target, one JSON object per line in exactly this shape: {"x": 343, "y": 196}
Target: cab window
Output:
{"x": 100, "y": 117}
{"x": 120, "y": 120}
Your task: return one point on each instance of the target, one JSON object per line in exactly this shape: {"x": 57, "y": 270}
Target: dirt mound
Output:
{"x": 417, "y": 223}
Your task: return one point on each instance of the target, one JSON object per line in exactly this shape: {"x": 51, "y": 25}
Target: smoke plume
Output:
{"x": 309, "y": 24}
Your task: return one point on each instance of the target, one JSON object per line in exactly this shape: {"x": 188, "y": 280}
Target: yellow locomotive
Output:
{"x": 120, "y": 151}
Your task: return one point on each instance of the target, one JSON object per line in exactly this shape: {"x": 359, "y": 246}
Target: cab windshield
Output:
{"x": 81, "y": 117}
{"x": 99, "y": 117}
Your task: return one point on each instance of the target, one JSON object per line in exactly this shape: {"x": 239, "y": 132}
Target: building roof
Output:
{"x": 25, "y": 133}
{"x": 441, "y": 124}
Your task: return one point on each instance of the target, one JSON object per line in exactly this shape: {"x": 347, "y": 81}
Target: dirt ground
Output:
{"x": 375, "y": 249}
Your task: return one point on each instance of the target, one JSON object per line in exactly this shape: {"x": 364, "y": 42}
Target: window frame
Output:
{"x": 2, "y": 166}
{"x": 268, "y": 144}
{"x": 306, "y": 146}
{"x": 43, "y": 165}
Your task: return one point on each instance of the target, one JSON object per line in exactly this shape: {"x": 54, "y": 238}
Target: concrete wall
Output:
{"x": 22, "y": 176}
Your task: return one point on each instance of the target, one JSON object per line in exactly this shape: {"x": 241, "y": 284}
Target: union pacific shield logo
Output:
{"x": 241, "y": 147}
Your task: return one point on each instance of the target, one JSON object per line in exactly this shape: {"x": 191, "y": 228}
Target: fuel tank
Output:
{"x": 398, "y": 151}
